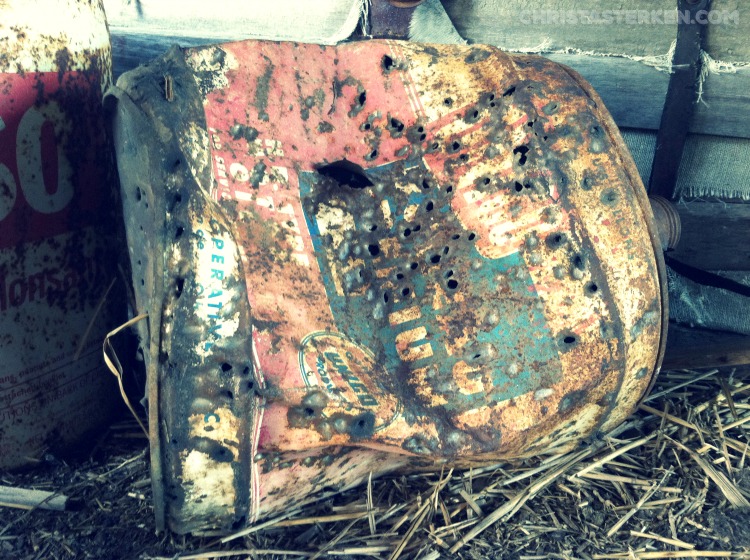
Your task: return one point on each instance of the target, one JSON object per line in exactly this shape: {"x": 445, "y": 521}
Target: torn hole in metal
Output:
{"x": 375, "y": 256}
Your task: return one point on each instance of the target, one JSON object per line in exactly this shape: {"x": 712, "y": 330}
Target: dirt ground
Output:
{"x": 672, "y": 482}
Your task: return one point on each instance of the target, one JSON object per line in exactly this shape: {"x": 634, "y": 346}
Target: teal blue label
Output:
{"x": 487, "y": 311}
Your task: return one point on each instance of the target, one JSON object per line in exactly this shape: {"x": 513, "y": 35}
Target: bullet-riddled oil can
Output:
{"x": 382, "y": 254}
{"x": 56, "y": 258}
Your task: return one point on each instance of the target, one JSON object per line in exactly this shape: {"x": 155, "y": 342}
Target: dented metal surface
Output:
{"x": 56, "y": 215}
{"x": 382, "y": 254}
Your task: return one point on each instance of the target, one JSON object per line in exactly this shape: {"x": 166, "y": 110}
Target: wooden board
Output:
{"x": 699, "y": 348}
{"x": 636, "y": 27}
{"x": 715, "y": 235}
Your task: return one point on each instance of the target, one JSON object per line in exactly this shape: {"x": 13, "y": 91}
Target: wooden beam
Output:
{"x": 23, "y": 498}
{"x": 699, "y": 349}
{"x": 715, "y": 235}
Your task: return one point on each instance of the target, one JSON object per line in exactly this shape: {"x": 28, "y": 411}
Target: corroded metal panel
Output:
{"x": 382, "y": 254}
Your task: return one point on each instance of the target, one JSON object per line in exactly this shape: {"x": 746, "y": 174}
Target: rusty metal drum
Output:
{"x": 55, "y": 210}
{"x": 368, "y": 257}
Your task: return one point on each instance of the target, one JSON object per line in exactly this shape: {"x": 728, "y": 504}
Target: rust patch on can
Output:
{"x": 392, "y": 254}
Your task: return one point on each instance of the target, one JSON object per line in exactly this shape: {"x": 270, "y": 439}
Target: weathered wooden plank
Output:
{"x": 636, "y": 27}
{"x": 634, "y": 94}
{"x": 715, "y": 235}
{"x": 632, "y": 91}
{"x": 25, "y": 498}
{"x": 699, "y": 348}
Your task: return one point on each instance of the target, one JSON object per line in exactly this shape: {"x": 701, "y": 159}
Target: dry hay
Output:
{"x": 672, "y": 482}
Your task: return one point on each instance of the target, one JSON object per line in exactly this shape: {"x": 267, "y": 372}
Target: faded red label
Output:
{"x": 51, "y": 136}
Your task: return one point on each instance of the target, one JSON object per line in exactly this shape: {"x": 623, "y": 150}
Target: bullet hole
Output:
{"x": 374, "y": 249}
{"x": 414, "y": 266}
{"x": 362, "y": 98}
{"x": 174, "y": 441}
{"x": 587, "y": 184}
{"x": 579, "y": 262}
{"x": 249, "y": 386}
{"x": 471, "y": 116}
{"x": 387, "y": 63}
{"x": 591, "y": 288}
{"x": 395, "y": 125}
{"x": 434, "y": 259}
{"x": 143, "y": 282}
{"x": 570, "y": 400}
{"x": 417, "y": 227}
{"x": 449, "y": 188}
{"x": 522, "y": 150}
{"x": 138, "y": 194}
{"x": 454, "y": 146}
{"x": 346, "y": 173}
{"x": 448, "y": 273}
{"x": 425, "y": 184}
{"x": 372, "y": 155}
{"x": 407, "y": 232}
{"x": 246, "y": 370}
{"x": 178, "y": 232}
{"x": 309, "y": 412}
{"x": 405, "y": 292}
{"x": 464, "y": 157}
{"x": 179, "y": 285}
{"x": 456, "y": 236}
{"x": 518, "y": 187}
{"x": 225, "y": 367}
{"x": 488, "y": 99}
{"x": 429, "y": 206}
{"x": 556, "y": 240}
{"x": 366, "y": 126}
{"x": 220, "y": 454}
{"x": 452, "y": 284}
{"x": 476, "y": 55}
{"x": 386, "y": 297}
{"x": 416, "y": 134}
{"x": 227, "y": 395}
{"x": 641, "y": 373}
{"x": 176, "y": 200}
{"x": 446, "y": 250}
{"x": 486, "y": 180}
{"x": 610, "y": 197}
{"x": 472, "y": 236}
{"x": 363, "y": 426}
{"x": 567, "y": 340}
{"x": 447, "y": 102}
{"x": 399, "y": 276}
{"x": 510, "y": 91}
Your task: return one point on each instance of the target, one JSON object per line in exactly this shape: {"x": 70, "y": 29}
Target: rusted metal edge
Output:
{"x": 648, "y": 217}
{"x": 118, "y": 103}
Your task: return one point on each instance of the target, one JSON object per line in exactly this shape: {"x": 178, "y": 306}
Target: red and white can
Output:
{"x": 55, "y": 58}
